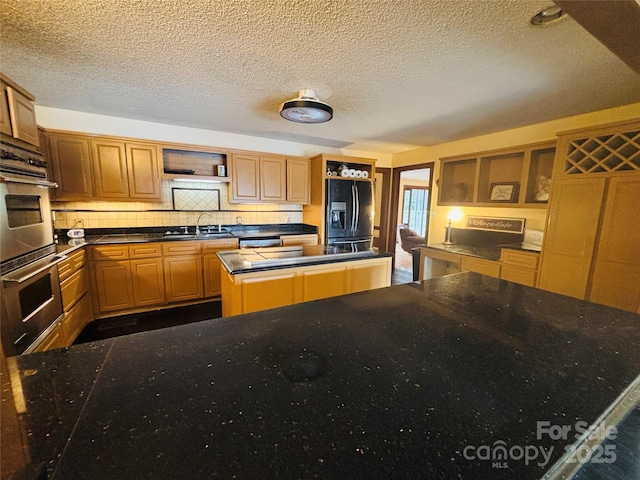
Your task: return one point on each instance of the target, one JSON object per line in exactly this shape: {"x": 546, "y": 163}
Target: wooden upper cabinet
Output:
{"x": 270, "y": 178}
{"x": 245, "y": 178}
{"x": 143, "y": 170}
{"x": 71, "y": 166}
{"x": 18, "y": 113}
{"x": 5, "y": 118}
{"x": 298, "y": 180}
{"x": 273, "y": 179}
{"x": 104, "y": 168}
{"x": 109, "y": 169}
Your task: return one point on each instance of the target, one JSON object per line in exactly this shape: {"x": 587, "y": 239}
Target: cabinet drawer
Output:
{"x": 145, "y": 250}
{"x": 65, "y": 269}
{"x": 525, "y": 276}
{"x": 73, "y": 288}
{"x": 294, "y": 240}
{"x": 519, "y": 259}
{"x": 181, "y": 248}
{"x": 111, "y": 252}
{"x": 439, "y": 255}
{"x": 217, "y": 245}
{"x": 75, "y": 320}
{"x": 480, "y": 265}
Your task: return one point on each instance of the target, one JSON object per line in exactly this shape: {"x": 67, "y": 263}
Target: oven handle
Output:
{"x": 58, "y": 259}
{"x": 28, "y": 181}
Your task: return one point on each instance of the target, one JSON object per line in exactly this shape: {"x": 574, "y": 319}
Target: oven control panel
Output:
{"x": 18, "y": 160}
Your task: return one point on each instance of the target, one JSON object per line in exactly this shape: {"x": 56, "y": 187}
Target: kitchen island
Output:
{"x": 409, "y": 381}
{"x": 258, "y": 279}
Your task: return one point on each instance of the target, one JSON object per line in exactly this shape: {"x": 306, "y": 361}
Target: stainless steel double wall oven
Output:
{"x": 31, "y": 300}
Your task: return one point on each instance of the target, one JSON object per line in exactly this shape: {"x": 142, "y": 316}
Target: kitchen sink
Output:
{"x": 204, "y": 236}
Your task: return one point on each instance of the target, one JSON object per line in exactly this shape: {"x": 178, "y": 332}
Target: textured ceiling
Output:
{"x": 398, "y": 73}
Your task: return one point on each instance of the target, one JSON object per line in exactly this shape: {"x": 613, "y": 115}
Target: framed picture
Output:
{"x": 504, "y": 192}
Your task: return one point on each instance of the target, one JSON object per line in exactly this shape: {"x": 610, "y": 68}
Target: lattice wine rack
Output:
{"x": 603, "y": 153}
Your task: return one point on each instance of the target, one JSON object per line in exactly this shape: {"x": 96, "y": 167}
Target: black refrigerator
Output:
{"x": 349, "y": 213}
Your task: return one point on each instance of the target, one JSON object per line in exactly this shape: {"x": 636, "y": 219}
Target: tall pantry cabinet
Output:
{"x": 592, "y": 243}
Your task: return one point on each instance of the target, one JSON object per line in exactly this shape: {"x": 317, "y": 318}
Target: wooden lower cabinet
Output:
{"x": 519, "y": 266}
{"x": 76, "y": 319}
{"x": 268, "y": 292}
{"x": 183, "y": 278}
{"x": 480, "y": 265}
{"x": 254, "y": 291}
{"x": 114, "y": 287}
{"x": 212, "y": 267}
{"x": 54, "y": 340}
{"x": 147, "y": 276}
{"x": 323, "y": 283}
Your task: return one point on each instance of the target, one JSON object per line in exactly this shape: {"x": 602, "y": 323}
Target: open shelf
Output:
{"x": 499, "y": 178}
{"x": 458, "y": 181}
{"x": 515, "y": 177}
{"x": 333, "y": 168}
{"x": 195, "y": 165}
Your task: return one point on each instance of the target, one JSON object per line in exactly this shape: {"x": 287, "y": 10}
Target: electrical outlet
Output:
{"x": 238, "y": 220}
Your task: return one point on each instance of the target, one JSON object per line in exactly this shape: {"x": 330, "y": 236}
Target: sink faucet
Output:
{"x": 198, "y": 232}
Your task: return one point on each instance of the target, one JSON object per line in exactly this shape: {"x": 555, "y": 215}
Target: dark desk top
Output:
{"x": 391, "y": 383}
{"x": 490, "y": 252}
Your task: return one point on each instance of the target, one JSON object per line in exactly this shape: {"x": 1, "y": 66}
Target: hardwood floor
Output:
{"x": 403, "y": 269}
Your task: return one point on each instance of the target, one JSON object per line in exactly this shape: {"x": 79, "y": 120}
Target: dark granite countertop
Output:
{"x": 253, "y": 260}
{"x": 407, "y": 381}
{"x": 101, "y": 236}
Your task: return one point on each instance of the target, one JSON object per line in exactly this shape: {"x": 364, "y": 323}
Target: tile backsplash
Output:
{"x": 191, "y": 199}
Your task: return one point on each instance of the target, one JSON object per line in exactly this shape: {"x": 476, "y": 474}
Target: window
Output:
{"x": 414, "y": 208}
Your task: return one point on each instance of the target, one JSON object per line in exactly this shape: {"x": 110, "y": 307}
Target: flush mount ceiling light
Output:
{"x": 306, "y": 108}
{"x": 547, "y": 15}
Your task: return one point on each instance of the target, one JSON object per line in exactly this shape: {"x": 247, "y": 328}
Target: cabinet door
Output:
{"x": 574, "y": 217}
{"x": 245, "y": 174}
{"x": 109, "y": 169}
{"x": 148, "y": 281}
{"x": 616, "y": 275}
{"x": 74, "y": 288}
{"x": 183, "y": 278}
{"x": 273, "y": 179}
{"x": 5, "y": 119}
{"x": 23, "y": 117}
{"x": 71, "y": 166}
{"x": 212, "y": 272}
{"x": 325, "y": 283}
{"x": 75, "y": 320}
{"x": 298, "y": 181}
{"x": 261, "y": 293}
{"x": 143, "y": 172}
{"x": 114, "y": 290}
{"x": 54, "y": 340}
{"x": 369, "y": 275}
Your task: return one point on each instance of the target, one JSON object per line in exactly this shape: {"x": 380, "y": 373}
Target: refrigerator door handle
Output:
{"x": 357, "y": 197}
{"x": 353, "y": 208}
